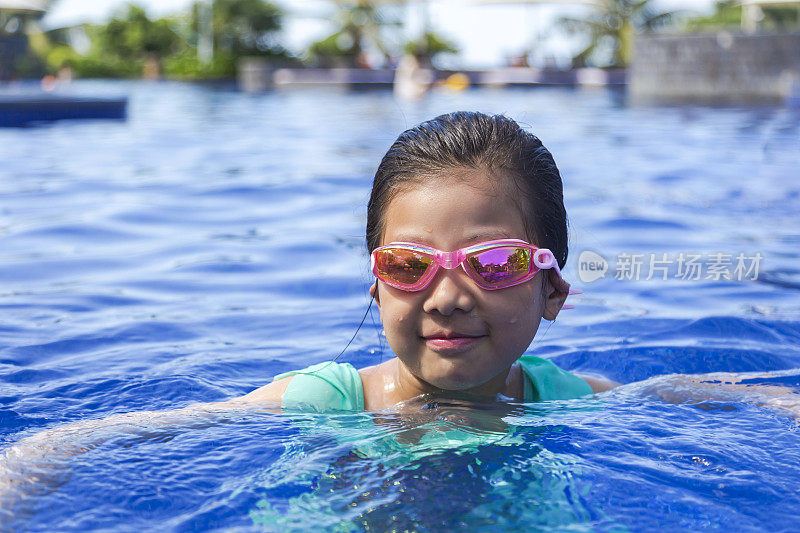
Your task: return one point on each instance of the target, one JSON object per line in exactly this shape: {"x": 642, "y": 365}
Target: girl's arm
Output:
{"x": 719, "y": 386}
{"x": 724, "y": 386}
{"x": 36, "y": 458}
{"x": 271, "y": 392}
{"x": 598, "y": 383}
{"x": 92, "y": 433}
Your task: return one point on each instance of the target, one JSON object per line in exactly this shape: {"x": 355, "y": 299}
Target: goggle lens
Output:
{"x": 405, "y": 267}
{"x": 502, "y": 266}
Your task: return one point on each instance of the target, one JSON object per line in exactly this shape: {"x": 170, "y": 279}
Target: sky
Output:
{"x": 486, "y": 33}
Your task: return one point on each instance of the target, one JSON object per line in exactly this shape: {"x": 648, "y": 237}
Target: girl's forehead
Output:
{"x": 480, "y": 178}
{"x": 474, "y": 181}
{"x": 452, "y": 210}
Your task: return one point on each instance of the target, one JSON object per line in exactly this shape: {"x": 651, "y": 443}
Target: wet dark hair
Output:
{"x": 467, "y": 139}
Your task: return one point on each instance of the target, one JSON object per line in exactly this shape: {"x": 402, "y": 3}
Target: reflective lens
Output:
{"x": 401, "y": 266}
{"x": 500, "y": 266}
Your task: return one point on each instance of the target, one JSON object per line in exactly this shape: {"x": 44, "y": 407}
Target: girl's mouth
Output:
{"x": 452, "y": 345}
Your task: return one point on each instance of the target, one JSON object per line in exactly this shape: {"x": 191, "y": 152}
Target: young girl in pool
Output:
{"x": 467, "y": 233}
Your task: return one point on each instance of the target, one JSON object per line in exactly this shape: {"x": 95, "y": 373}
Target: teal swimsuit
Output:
{"x": 333, "y": 386}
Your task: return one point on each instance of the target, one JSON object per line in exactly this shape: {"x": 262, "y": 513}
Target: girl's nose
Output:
{"x": 449, "y": 290}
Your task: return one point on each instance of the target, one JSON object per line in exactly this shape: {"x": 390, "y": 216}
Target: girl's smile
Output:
{"x": 453, "y": 343}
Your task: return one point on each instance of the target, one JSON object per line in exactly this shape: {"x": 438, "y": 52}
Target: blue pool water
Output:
{"x": 215, "y": 239}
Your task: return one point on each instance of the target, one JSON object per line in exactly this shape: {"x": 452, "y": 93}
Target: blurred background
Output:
{"x": 209, "y": 39}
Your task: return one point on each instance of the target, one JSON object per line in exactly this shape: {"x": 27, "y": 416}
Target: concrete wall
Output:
{"x": 720, "y": 67}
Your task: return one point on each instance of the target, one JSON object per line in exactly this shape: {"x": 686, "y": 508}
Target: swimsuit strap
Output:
{"x": 545, "y": 381}
{"x": 323, "y": 387}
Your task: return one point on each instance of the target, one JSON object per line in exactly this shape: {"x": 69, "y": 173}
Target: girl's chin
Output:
{"x": 454, "y": 380}
{"x": 450, "y": 385}
{"x": 468, "y": 377}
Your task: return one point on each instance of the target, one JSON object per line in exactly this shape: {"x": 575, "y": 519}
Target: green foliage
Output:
{"x": 613, "y": 27}
{"x": 29, "y": 66}
{"x": 359, "y": 26}
{"x": 94, "y": 66}
{"x": 429, "y": 46}
{"x": 781, "y": 18}
{"x": 56, "y": 53}
{"x": 338, "y": 49}
{"x": 122, "y": 47}
{"x": 728, "y": 16}
{"x": 186, "y": 66}
{"x": 241, "y": 27}
{"x": 132, "y": 36}
{"x": 61, "y": 55}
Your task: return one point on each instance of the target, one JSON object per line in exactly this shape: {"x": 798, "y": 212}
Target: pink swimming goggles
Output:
{"x": 492, "y": 265}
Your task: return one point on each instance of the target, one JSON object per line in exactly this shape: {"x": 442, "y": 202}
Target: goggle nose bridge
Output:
{"x": 450, "y": 260}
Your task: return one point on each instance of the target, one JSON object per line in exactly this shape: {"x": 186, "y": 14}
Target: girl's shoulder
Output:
{"x": 323, "y": 387}
{"x": 546, "y": 381}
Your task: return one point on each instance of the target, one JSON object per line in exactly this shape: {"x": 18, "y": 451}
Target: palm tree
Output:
{"x": 613, "y": 24}
{"x": 427, "y": 46}
{"x": 358, "y": 24}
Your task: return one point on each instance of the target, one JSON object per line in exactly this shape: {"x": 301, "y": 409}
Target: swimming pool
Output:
{"x": 175, "y": 258}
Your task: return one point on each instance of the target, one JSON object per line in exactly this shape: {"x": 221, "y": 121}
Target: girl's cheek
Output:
{"x": 521, "y": 307}
{"x": 529, "y": 299}
{"x": 398, "y": 318}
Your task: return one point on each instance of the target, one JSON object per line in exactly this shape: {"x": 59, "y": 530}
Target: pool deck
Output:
{"x": 384, "y": 78}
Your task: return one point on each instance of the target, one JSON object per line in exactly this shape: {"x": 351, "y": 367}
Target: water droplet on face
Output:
{"x": 513, "y": 320}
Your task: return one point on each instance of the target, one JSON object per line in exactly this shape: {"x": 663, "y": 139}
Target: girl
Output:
{"x": 467, "y": 233}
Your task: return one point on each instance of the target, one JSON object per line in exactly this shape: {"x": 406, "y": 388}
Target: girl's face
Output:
{"x": 455, "y": 209}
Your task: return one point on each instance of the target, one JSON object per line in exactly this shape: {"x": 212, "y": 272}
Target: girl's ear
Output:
{"x": 373, "y": 291}
{"x": 556, "y": 292}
